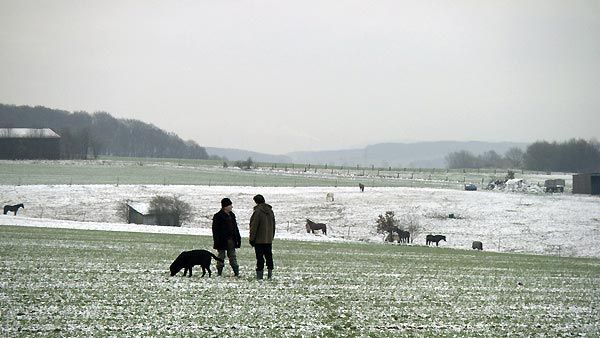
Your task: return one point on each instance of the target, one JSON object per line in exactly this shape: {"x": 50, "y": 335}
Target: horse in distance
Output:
{"x": 403, "y": 236}
{"x": 429, "y": 239}
{"x": 312, "y": 226}
{"x": 13, "y": 208}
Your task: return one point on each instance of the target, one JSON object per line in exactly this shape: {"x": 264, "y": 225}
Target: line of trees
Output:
{"x": 575, "y": 155}
{"x": 83, "y": 134}
{"x": 513, "y": 158}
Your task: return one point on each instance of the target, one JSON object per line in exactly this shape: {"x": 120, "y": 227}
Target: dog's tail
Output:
{"x": 217, "y": 258}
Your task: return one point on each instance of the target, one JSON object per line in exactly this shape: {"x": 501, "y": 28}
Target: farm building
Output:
{"x": 586, "y": 184}
{"x": 139, "y": 213}
{"x": 26, "y": 143}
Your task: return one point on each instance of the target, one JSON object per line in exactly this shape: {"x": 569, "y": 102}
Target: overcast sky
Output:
{"x": 280, "y": 76}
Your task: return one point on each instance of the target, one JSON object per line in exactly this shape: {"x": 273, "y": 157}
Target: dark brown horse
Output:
{"x": 477, "y": 245}
{"x": 361, "y": 187}
{"x": 13, "y": 208}
{"x": 434, "y": 239}
{"x": 403, "y": 236}
{"x": 312, "y": 226}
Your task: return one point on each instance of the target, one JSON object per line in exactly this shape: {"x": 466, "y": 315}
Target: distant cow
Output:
{"x": 329, "y": 197}
{"x": 434, "y": 239}
{"x": 362, "y": 187}
{"x": 477, "y": 245}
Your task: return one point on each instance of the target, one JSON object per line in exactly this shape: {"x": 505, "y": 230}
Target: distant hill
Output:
{"x": 418, "y": 154}
{"x": 99, "y": 133}
{"x": 83, "y": 134}
{"x": 239, "y": 155}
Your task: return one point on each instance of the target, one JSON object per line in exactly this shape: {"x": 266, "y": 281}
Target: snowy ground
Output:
{"x": 559, "y": 224}
{"x": 61, "y": 282}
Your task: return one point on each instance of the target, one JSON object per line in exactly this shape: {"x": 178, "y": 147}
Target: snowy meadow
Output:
{"x": 560, "y": 224}
{"x": 66, "y": 282}
{"x": 539, "y": 272}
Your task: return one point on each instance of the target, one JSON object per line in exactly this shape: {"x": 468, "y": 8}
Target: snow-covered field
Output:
{"x": 74, "y": 283}
{"x": 559, "y": 224}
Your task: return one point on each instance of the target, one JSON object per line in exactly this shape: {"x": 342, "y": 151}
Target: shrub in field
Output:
{"x": 510, "y": 175}
{"x": 387, "y": 224}
{"x": 170, "y": 210}
{"x": 247, "y": 164}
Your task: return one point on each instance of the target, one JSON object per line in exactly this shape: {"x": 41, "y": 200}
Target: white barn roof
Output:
{"x": 141, "y": 207}
{"x": 27, "y": 133}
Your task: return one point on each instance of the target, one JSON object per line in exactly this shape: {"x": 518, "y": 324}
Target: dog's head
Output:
{"x": 175, "y": 268}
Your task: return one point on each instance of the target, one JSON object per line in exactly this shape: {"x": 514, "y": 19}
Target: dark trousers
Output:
{"x": 263, "y": 253}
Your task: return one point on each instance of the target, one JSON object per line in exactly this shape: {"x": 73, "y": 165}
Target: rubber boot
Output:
{"x": 269, "y": 273}
{"x": 236, "y": 271}
{"x": 259, "y": 275}
{"x": 219, "y": 271}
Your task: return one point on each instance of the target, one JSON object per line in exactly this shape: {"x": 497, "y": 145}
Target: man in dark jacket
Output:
{"x": 226, "y": 236}
{"x": 262, "y": 231}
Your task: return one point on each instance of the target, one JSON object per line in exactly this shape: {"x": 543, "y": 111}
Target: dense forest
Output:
{"x": 84, "y": 135}
{"x": 575, "y": 155}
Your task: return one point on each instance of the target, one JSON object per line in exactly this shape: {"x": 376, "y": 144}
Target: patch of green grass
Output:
{"x": 81, "y": 283}
{"x": 119, "y": 170}
{"x": 151, "y": 171}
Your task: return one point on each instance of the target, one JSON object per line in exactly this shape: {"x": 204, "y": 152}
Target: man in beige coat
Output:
{"x": 262, "y": 231}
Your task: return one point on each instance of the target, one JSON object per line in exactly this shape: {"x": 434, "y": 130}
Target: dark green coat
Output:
{"x": 262, "y": 224}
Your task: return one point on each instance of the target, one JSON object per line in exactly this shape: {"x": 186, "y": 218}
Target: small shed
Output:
{"x": 29, "y": 143}
{"x": 588, "y": 183}
{"x": 139, "y": 213}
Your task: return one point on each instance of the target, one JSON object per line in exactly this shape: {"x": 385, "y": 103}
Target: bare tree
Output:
{"x": 514, "y": 157}
{"x": 411, "y": 221}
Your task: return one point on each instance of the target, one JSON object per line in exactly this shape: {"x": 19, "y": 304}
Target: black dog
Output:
{"x": 188, "y": 259}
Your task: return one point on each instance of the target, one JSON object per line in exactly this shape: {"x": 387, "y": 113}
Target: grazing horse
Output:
{"x": 434, "y": 239}
{"x": 477, "y": 245}
{"x": 13, "y": 208}
{"x": 403, "y": 236}
{"x": 312, "y": 226}
{"x": 362, "y": 187}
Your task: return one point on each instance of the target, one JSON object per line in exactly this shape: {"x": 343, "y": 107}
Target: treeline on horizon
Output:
{"x": 575, "y": 155}
{"x": 84, "y": 135}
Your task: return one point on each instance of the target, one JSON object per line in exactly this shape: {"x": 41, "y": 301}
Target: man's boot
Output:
{"x": 219, "y": 271}
{"x": 269, "y": 273}
{"x": 259, "y": 274}
{"x": 236, "y": 271}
